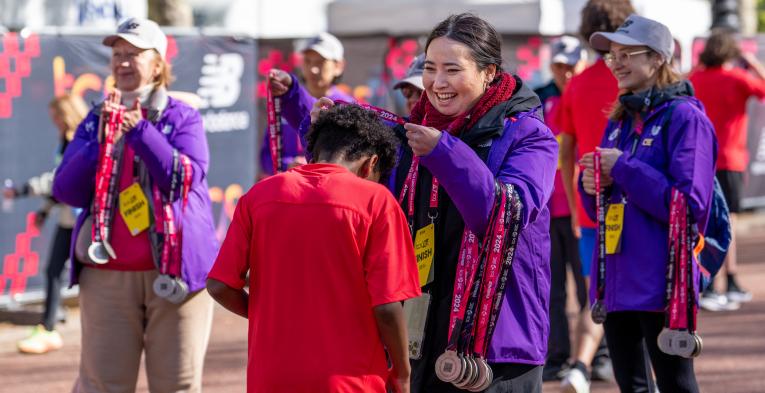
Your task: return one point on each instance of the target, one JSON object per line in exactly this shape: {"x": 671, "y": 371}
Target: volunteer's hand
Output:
{"x": 321, "y": 104}
{"x": 422, "y": 139}
{"x": 131, "y": 117}
{"x": 112, "y": 104}
{"x": 588, "y": 181}
{"x": 280, "y": 81}
{"x": 608, "y": 159}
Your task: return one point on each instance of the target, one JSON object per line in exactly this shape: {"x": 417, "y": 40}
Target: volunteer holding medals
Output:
{"x": 651, "y": 184}
{"x": 145, "y": 240}
{"x": 480, "y": 158}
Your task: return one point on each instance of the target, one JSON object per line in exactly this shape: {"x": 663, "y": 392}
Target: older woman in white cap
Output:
{"x": 144, "y": 242}
{"x": 322, "y": 66}
{"x": 655, "y": 169}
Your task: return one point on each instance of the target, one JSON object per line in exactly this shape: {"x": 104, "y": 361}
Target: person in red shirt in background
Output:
{"x": 585, "y": 104}
{"x": 330, "y": 261}
{"x": 724, "y": 90}
{"x": 567, "y": 58}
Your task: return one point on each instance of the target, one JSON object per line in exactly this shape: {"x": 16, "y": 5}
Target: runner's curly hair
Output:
{"x": 350, "y": 132}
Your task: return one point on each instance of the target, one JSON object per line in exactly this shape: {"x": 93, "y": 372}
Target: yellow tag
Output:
{"x": 648, "y": 142}
{"x": 424, "y": 246}
{"x": 134, "y": 209}
{"x": 614, "y": 226}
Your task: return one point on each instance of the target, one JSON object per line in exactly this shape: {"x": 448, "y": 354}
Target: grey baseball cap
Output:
{"x": 141, "y": 33}
{"x": 567, "y": 50}
{"x": 635, "y": 31}
{"x": 327, "y": 45}
{"x": 413, "y": 74}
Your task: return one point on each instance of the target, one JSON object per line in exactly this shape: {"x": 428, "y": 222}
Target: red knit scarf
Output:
{"x": 500, "y": 90}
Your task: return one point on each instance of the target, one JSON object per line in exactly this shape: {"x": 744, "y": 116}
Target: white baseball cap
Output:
{"x": 327, "y": 45}
{"x": 636, "y": 31}
{"x": 141, "y": 33}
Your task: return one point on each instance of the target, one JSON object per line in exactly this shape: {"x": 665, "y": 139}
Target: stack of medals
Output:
{"x": 679, "y": 334}
{"x": 479, "y": 286}
{"x": 107, "y": 177}
{"x": 599, "y": 310}
{"x": 274, "y": 109}
{"x": 169, "y": 284}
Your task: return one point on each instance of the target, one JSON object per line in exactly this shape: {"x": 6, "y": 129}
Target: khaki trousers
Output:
{"x": 122, "y": 317}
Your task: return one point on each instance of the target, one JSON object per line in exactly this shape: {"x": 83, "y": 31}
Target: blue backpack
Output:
{"x": 717, "y": 234}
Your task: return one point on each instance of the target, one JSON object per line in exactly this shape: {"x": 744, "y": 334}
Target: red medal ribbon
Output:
{"x": 381, "y": 113}
{"x": 513, "y": 231}
{"x": 106, "y": 178}
{"x": 600, "y": 199}
{"x": 273, "y": 107}
{"x": 170, "y": 260}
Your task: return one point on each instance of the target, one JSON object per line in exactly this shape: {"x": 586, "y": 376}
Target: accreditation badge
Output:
{"x": 134, "y": 208}
{"x": 614, "y": 227}
{"x": 424, "y": 247}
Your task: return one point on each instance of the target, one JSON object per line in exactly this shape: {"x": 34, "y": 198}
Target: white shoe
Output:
{"x": 575, "y": 382}
{"x": 40, "y": 341}
{"x": 712, "y": 301}
{"x": 739, "y": 296}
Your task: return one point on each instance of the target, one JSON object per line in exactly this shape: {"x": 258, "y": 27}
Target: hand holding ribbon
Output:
{"x": 422, "y": 139}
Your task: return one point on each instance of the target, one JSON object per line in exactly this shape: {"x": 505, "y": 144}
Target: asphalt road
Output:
{"x": 733, "y": 360}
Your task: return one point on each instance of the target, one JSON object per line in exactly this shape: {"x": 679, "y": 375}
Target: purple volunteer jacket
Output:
{"x": 681, "y": 154}
{"x": 293, "y": 144}
{"x": 181, "y": 128}
{"x": 525, "y": 155}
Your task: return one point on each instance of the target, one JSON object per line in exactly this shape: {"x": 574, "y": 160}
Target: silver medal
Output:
{"x": 488, "y": 379}
{"x": 179, "y": 293}
{"x": 449, "y": 366}
{"x": 97, "y": 253}
{"x": 684, "y": 344}
{"x": 664, "y": 341}
{"x": 164, "y": 286}
{"x": 483, "y": 375}
{"x": 468, "y": 375}
{"x": 699, "y": 345}
{"x": 599, "y": 312}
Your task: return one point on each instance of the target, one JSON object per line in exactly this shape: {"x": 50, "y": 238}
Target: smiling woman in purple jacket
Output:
{"x": 475, "y": 125}
{"x": 145, "y": 241}
{"x": 658, "y": 140}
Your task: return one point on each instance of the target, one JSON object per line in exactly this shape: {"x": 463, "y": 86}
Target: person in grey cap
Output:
{"x": 658, "y": 141}
{"x": 322, "y": 65}
{"x": 145, "y": 239}
{"x": 411, "y": 86}
{"x": 567, "y": 58}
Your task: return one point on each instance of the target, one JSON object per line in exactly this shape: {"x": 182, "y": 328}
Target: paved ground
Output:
{"x": 733, "y": 360}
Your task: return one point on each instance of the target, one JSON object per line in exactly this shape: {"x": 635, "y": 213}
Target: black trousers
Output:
{"x": 625, "y": 332}
{"x": 59, "y": 253}
{"x": 564, "y": 249}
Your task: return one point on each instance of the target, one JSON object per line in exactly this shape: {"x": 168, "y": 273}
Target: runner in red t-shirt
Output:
{"x": 330, "y": 260}
{"x": 567, "y": 59}
{"x": 585, "y": 104}
{"x": 725, "y": 91}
